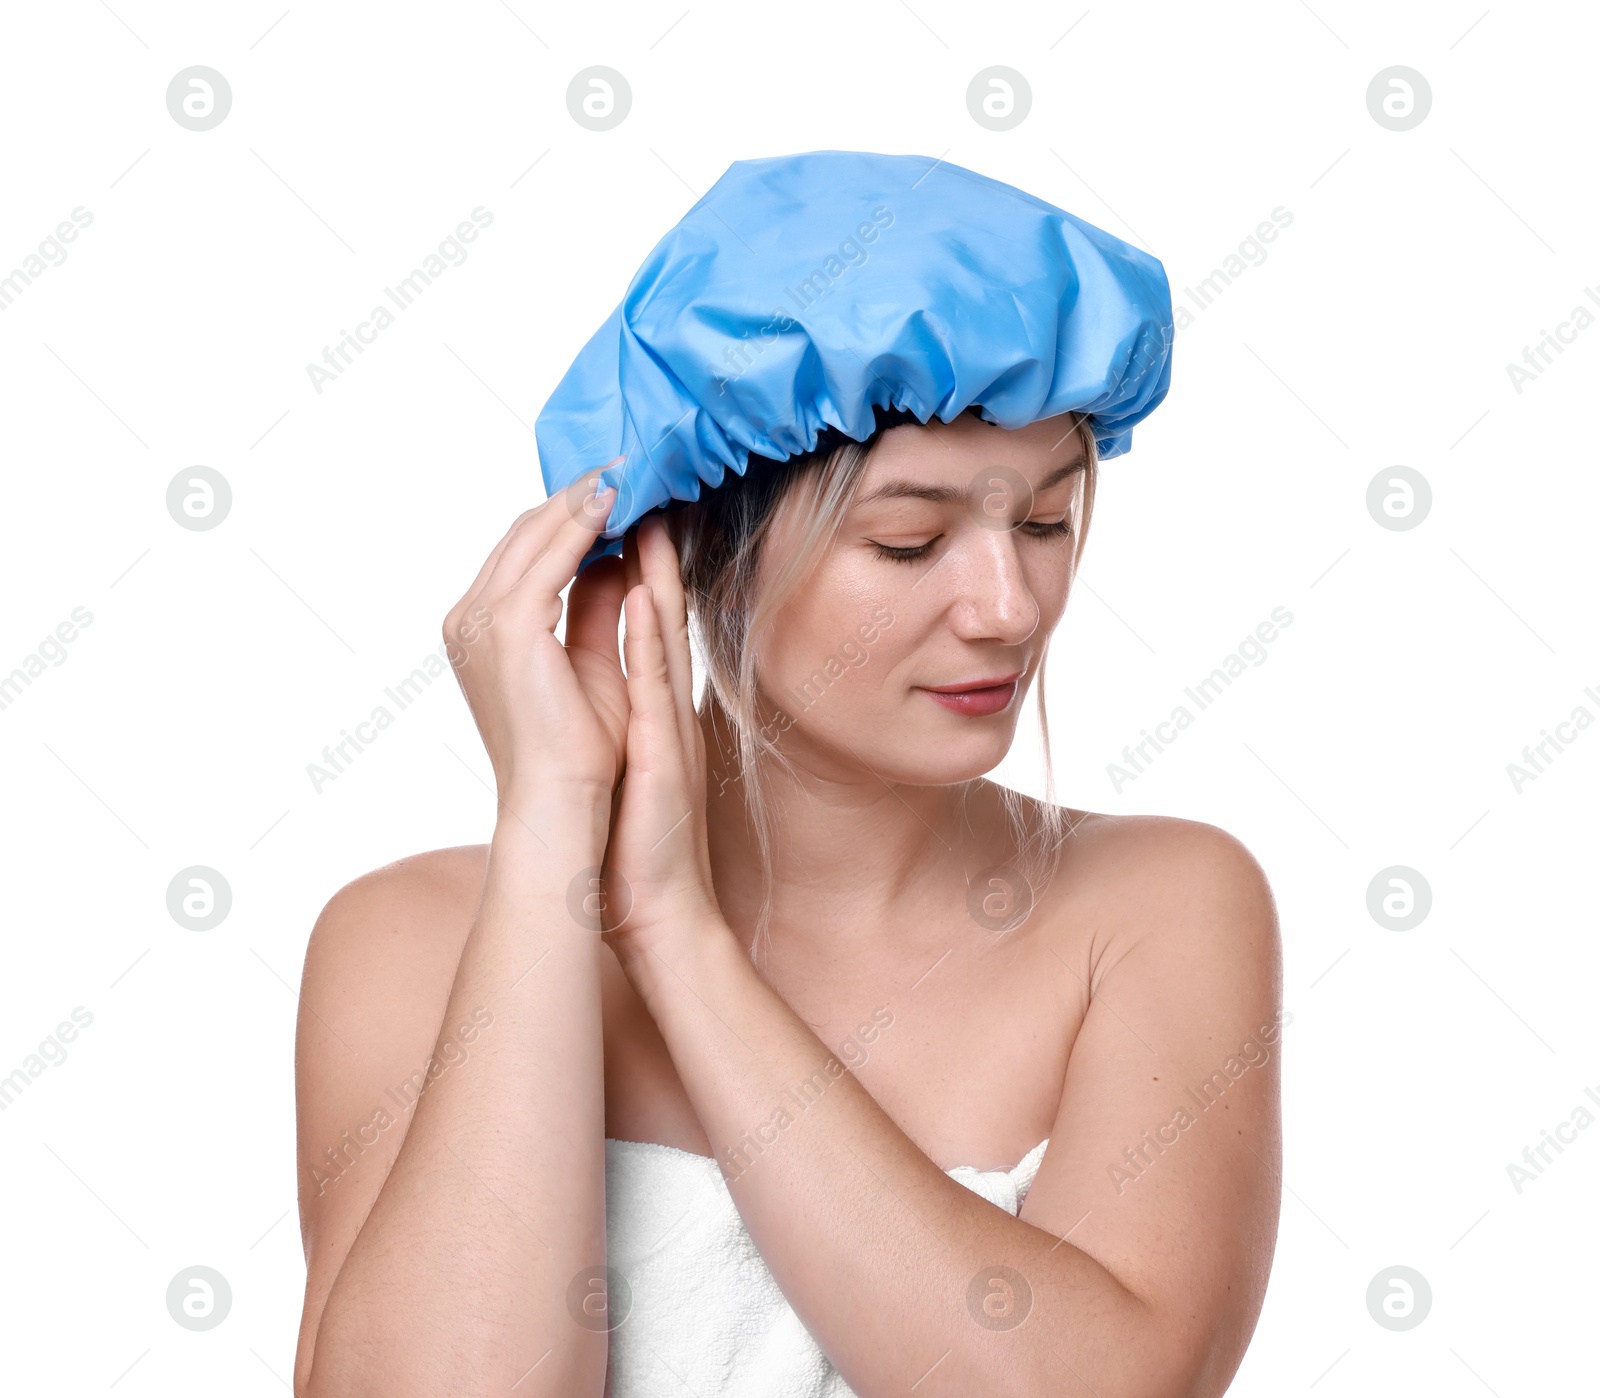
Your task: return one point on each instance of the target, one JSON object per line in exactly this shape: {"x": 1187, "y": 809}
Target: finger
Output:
{"x": 533, "y": 598}
{"x": 661, "y": 571}
{"x": 554, "y": 565}
{"x": 551, "y": 529}
{"x": 593, "y": 608}
{"x": 518, "y": 524}
{"x": 654, "y": 739}
{"x": 494, "y": 553}
{"x": 633, "y": 569}
{"x": 464, "y": 608}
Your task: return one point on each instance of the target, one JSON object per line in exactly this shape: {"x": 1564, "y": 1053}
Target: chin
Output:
{"x": 941, "y": 749}
{"x": 914, "y": 742}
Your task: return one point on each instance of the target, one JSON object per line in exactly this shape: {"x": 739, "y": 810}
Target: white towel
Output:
{"x": 705, "y": 1316}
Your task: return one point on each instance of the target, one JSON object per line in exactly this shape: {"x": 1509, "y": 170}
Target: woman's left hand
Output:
{"x": 658, "y": 862}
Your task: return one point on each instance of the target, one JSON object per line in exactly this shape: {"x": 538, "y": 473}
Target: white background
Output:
{"x": 218, "y": 664}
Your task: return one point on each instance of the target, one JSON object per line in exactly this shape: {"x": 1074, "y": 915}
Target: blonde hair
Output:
{"x": 721, "y": 540}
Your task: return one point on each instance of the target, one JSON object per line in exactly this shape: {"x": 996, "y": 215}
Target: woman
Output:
{"x": 877, "y": 1078}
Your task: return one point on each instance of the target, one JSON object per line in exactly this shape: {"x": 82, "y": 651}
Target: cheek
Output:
{"x": 791, "y": 647}
{"x": 839, "y": 636}
{"x": 1050, "y": 580}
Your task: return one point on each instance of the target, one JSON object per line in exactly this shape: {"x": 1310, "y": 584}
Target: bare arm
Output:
{"x": 1137, "y": 1268}
{"x": 447, "y": 1231}
{"x": 442, "y": 1263}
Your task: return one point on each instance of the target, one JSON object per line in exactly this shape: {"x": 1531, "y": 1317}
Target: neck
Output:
{"x": 853, "y": 856}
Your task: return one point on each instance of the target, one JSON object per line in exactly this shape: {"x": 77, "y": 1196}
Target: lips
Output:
{"x": 976, "y": 698}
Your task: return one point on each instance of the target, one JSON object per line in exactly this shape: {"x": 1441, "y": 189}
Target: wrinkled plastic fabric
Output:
{"x": 806, "y": 290}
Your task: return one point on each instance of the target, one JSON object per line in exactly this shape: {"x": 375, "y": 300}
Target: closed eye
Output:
{"x": 905, "y": 555}
{"x": 1037, "y": 529}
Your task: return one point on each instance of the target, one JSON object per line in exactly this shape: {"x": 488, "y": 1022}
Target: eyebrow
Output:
{"x": 950, "y": 495}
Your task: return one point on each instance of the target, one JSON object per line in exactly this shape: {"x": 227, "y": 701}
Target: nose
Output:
{"x": 992, "y": 599}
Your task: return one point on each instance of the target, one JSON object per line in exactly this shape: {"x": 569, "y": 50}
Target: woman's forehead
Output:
{"x": 929, "y": 461}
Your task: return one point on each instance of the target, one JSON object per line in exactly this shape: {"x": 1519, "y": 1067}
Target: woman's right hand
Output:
{"x": 552, "y": 716}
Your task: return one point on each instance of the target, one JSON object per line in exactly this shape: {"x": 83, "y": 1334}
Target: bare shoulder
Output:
{"x": 1153, "y": 881}
{"x": 378, "y": 972}
{"x": 1170, "y": 856}
{"x": 401, "y": 902}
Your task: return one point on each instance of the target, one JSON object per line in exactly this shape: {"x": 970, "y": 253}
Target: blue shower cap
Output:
{"x": 807, "y": 291}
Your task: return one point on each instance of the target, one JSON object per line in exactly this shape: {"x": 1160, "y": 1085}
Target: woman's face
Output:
{"x": 950, "y": 570}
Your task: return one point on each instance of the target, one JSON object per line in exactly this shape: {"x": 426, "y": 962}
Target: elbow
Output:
{"x": 1162, "y": 1359}
{"x": 579, "y": 1373}
{"x": 1185, "y": 1363}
